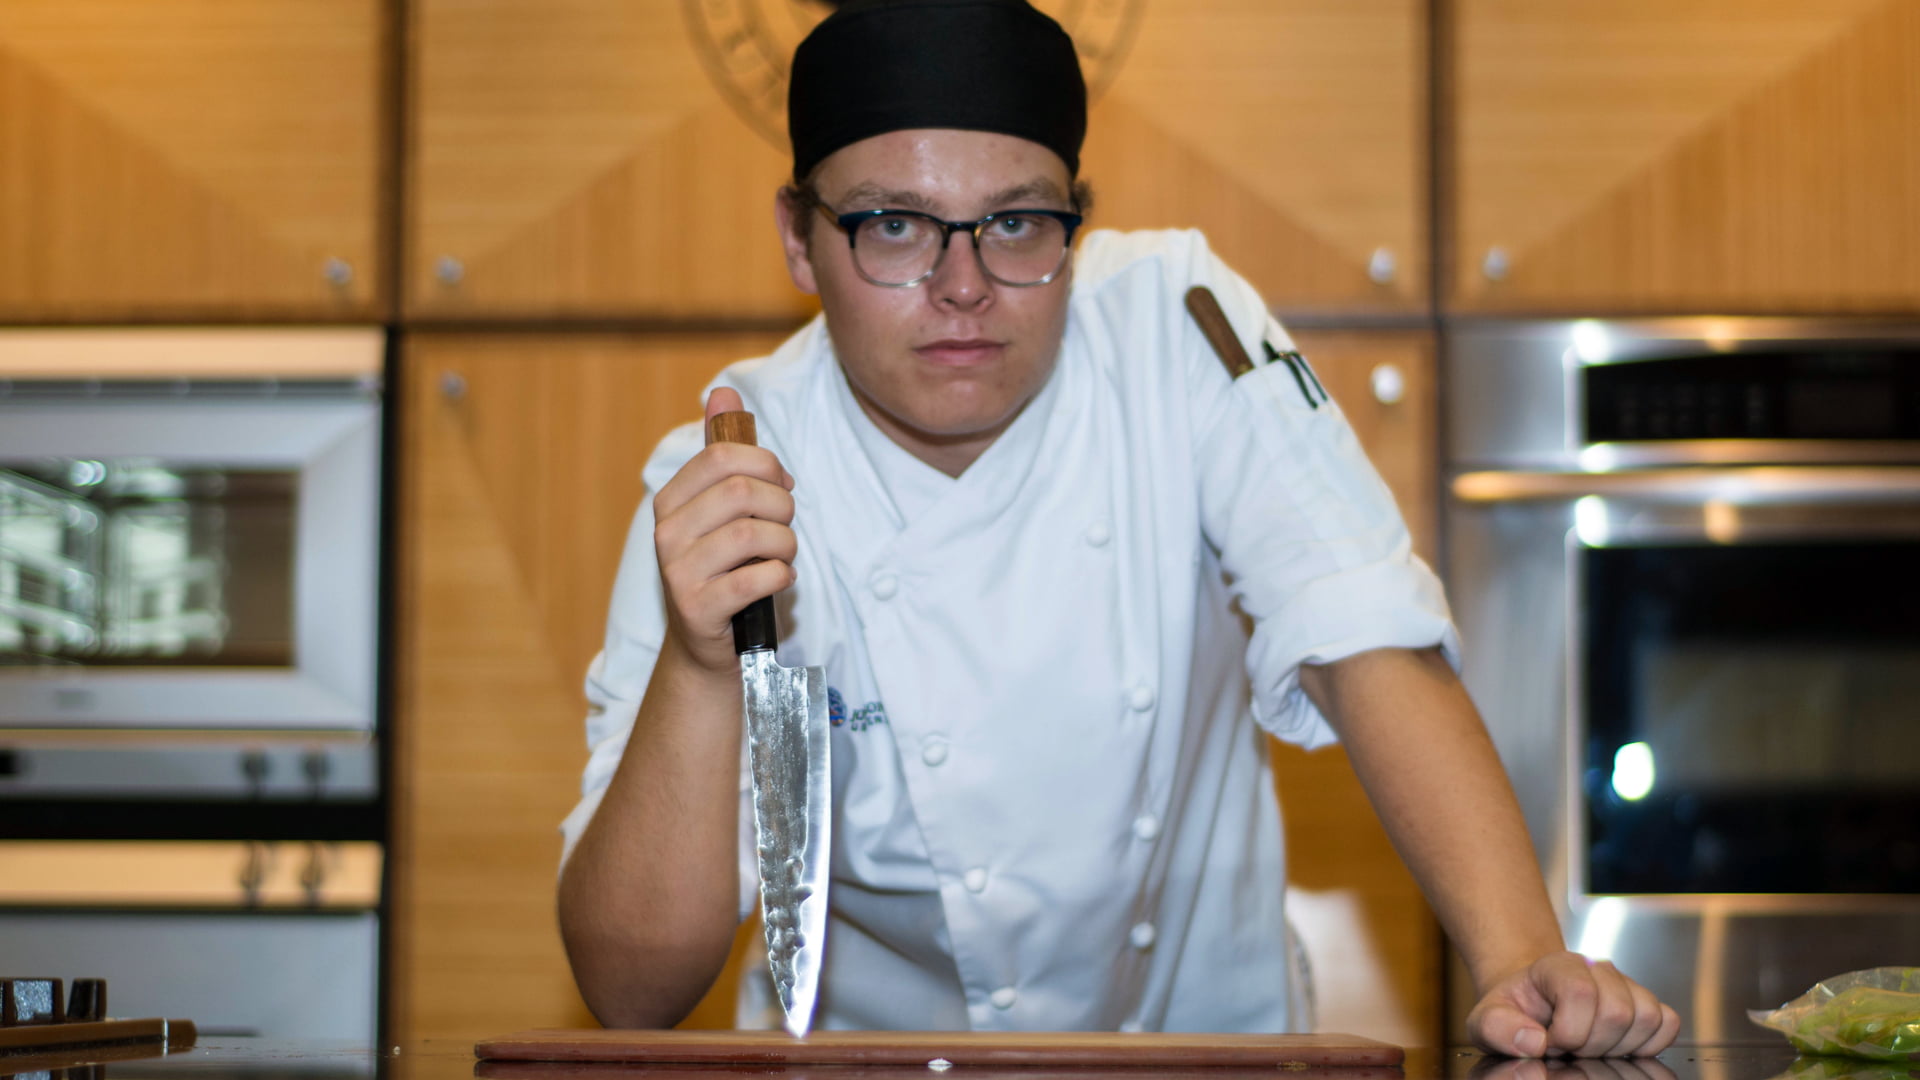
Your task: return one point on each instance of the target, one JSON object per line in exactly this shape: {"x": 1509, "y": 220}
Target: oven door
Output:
{"x": 271, "y": 939}
{"x": 1701, "y": 681}
{"x": 207, "y": 559}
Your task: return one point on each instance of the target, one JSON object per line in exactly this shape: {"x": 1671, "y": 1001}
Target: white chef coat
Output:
{"x": 1052, "y": 806}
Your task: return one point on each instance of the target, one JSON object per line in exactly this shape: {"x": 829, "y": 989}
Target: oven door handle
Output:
{"x": 1758, "y": 485}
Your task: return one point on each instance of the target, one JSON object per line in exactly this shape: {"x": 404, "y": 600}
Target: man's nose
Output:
{"x": 960, "y": 279}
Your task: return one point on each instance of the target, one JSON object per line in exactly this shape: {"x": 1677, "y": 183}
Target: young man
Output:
{"x": 1015, "y": 506}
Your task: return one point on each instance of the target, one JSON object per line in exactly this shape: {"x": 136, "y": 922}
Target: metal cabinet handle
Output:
{"x": 1496, "y": 264}
{"x": 1389, "y": 384}
{"x": 453, "y": 385}
{"x": 313, "y": 877}
{"x": 253, "y": 872}
{"x": 1381, "y": 266}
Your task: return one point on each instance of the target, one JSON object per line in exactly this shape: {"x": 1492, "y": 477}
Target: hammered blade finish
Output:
{"x": 787, "y": 741}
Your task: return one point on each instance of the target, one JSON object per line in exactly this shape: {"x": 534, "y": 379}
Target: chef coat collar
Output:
{"x": 981, "y": 493}
{"x": 912, "y": 485}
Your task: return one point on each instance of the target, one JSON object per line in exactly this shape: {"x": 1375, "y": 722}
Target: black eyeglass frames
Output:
{"x": 902, "y": 248}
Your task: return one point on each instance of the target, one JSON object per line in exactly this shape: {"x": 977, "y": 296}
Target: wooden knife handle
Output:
{"x": 731, "y": 427}
{"x": 1205, "y": 309}
{"x": 753, "y": 627}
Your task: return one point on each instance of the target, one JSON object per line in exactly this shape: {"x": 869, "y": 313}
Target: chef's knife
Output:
{"x": 786, "y": 721}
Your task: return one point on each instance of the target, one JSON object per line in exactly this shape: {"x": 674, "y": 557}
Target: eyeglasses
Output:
{"x": 902, "y": 248}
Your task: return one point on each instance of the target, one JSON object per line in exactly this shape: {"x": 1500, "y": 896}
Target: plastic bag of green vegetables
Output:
{"x": 1871, "y": 1014}
{"x": 1807, "y": 1067}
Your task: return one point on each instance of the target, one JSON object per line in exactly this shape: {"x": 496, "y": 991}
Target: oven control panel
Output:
{"x": 1843, "y": 393}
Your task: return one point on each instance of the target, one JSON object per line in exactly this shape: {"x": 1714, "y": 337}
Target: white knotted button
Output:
{"x": 885, "y": 585}
{"x": 1141, "y": 698}
{"x": 1099, "y": 534}
{"x": 1142, "y": 935}
{"x": 1130, "y": 1027}
{"x": 1146, "y": 826}
{"x": 975, "y": 879}
{"x": 934, "y": 751}
{"x": 1004, "y": 997}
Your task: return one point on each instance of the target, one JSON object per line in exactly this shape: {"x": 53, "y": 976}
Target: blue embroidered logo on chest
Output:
{"x": 861, "y": 719}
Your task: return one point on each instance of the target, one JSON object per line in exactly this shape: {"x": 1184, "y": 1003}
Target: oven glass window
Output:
{"x": 1753, "y": 718}
{"x": 145, "y": 563}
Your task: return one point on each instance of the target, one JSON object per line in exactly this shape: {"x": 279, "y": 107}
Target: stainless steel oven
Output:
{"x": 1685, "y": 557}
{"x": 190, "y": 596}
{"x": 186, "y": 543}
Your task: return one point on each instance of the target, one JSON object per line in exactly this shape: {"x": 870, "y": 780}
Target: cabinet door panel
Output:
{"x": 1373, "y": 942}
{"x": 522, "y": 458}
{"x": 200, "y": 159}
{"x": 1292, "y": 131}
{"x": 1647, "y": 155}
{"x": 577, "y": 157}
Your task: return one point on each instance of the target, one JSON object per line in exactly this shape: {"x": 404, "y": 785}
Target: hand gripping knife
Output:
{"x": 785, "y": 710}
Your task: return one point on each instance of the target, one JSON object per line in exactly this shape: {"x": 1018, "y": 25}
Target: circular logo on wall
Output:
{"x": 747, "y": 45}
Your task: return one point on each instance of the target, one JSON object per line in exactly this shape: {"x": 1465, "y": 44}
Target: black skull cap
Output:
{"x": 875, "y": 66}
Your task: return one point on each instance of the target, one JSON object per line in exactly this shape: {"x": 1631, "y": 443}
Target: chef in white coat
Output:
{"x": 1014, "y": 504}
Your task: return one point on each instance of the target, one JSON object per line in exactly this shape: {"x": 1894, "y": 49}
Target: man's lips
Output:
{"x": 960, "y": 352}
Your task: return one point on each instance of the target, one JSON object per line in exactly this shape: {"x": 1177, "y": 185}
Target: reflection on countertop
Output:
{"x": 282, "y": 1059}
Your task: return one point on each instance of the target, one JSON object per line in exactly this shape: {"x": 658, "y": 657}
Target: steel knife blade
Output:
{"x": 785, "y": 714}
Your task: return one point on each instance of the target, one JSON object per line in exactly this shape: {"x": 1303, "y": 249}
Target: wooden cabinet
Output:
{"x": 1685, "y": 155}
{"x": 585, "y": 158}
{"x": 1294, "y": 132}
{"x": 578, "y": 157}
{"x": 1373, "y": 942}
{"x": 193, "y": 160}
{"x": 520, "y": 458}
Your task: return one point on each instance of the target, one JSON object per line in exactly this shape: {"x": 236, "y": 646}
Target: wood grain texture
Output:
{"x": 201, "y": 159}
{"x": 573, "y": 157}
{"x": 516, "y": 495}
{"x": 1374, "y": 944}
{"x": 961, "y": 1048}
{"x": 1641, "y": 155}
{"x": 581, "y": 158}
{"x": 1293, "y": 132}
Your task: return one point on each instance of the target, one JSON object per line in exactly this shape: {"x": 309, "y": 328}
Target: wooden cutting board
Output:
{"x": 919, "y": 1048}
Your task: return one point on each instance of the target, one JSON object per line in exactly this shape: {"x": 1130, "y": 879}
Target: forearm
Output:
{"x": 649, "y": 898}
{"x": 1422, "y": 753}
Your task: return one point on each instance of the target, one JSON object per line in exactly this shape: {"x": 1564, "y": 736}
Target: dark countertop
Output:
{"x": 220, "y": 1058}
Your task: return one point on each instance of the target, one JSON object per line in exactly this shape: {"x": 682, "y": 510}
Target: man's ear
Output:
{"x": 788, "y": 215}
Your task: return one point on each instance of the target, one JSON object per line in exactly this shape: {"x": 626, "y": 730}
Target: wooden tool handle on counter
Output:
{"x": 1205, "y": 309}
{"x": 753, "y": 627}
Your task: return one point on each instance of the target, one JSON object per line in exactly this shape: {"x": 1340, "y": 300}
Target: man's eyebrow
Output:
{"x": 875, "y": 197}
{"x": 869, "y": 196}
{"x": 1036, "y": 190}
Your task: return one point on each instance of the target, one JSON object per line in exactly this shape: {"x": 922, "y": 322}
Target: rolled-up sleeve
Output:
{"x": 1318, "y": 555}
